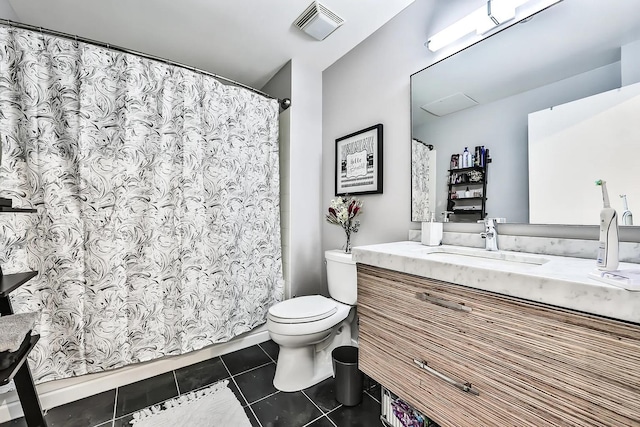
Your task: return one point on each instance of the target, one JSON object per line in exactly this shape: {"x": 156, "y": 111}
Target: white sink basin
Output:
{"x": 465, "y": 255}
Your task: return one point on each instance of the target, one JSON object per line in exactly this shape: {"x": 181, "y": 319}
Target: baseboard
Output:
{"x": 60, "y": 392}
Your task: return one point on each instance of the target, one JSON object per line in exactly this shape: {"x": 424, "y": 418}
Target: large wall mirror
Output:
{"x": 556, "y": 101}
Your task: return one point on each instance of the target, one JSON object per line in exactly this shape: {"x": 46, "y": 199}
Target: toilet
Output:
{"x": 308, "y": 328}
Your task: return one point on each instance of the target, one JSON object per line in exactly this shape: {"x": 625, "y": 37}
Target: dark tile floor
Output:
{"x": 250, "y": 372}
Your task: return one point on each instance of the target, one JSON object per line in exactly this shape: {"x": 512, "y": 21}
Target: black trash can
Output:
{"x": 348, "y": 378}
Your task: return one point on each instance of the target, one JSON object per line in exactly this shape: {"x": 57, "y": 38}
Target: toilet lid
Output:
{"x": 303, "y": 309}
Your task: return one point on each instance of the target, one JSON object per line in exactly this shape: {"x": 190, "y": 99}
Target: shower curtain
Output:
{"x": 157, "y": 191}
{"x": 423, "y": 181}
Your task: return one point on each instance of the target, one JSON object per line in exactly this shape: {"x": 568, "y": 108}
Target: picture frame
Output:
{"x": 358, "y": 162}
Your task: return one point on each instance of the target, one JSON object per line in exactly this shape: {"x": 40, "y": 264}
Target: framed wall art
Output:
{"x": 359, "y": 162}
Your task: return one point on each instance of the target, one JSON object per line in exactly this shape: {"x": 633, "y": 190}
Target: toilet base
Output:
{"x": 302, "y": 367}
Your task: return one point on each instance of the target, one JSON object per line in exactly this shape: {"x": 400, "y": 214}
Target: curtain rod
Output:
{"x": 9, "y": 23}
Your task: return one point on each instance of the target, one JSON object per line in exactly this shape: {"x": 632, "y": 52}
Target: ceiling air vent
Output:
{"x": 449, "y": 104}
{"x": 318, "y": 21}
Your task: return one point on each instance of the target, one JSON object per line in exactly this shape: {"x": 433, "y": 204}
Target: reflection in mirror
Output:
{"x": 423, "y": 184}
{"x": 577, "y": 143}
{"x": 549, "y": 98}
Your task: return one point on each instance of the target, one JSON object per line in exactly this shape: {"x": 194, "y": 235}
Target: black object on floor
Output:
{"x": 348, "y": 376}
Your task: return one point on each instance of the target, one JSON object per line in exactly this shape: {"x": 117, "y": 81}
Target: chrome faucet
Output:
{"x": 490, "y": 234}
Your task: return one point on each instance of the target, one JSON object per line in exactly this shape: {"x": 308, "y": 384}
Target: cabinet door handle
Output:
{"x": 466, "y": 387}
{"x": 423, "y": 296}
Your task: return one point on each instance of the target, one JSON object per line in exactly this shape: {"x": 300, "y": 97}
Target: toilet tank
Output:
{"x": 341, "y": 277}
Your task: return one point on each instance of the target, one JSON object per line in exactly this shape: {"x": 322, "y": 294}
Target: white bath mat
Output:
{"x": 214, "y": 406}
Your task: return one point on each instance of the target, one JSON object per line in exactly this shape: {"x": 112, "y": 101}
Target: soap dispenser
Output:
{"x": 432, "y": 232}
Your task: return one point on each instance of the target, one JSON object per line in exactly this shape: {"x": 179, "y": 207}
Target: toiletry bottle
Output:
{"x": 608, "y": 246}
{"x": 466, "y": 158}
{"x": 467, "y": 193}
{"x": 455, "y": 161}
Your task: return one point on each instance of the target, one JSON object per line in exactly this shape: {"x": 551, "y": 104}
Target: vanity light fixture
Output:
{"x": 497, "y": 13}
{"x": 453, "y": 32}
{"x": 485, "y": 19}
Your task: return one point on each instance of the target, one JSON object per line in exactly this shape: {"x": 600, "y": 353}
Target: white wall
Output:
{"x": 370, "y": 85}
{"x": 6, "y": 11}
{"x": 367, "y": 86}
{"x": 279, "y": 86}
{"x": 300, "y": 163}
{"x": 285, "y": 197}
{"x": 305, "y": 179}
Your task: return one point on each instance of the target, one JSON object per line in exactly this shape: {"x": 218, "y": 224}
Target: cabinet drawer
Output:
{"x": 534, "y": 364}
{"x": 392, "y": 361}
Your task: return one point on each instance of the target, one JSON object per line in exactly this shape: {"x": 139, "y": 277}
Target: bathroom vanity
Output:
{"x": 478, "y": 338}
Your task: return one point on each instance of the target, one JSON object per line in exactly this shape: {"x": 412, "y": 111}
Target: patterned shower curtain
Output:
{"x": 157, "y": 191}
{"x": 423, "y": 181}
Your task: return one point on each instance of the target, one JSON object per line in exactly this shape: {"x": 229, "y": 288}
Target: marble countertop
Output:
{"x": 555, "y": 280}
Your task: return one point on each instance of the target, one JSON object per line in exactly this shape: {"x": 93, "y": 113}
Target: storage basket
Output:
{"x": 410, "y": 416}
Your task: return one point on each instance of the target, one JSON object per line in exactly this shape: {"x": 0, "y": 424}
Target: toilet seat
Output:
{"x": 302, "y": 325}
{"x": 303, "y": 309}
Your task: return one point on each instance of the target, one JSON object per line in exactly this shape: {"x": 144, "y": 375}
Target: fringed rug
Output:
{"x": 214, "y": 406}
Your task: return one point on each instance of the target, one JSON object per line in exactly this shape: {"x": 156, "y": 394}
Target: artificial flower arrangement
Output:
{"x": 475, "y": 176}
{"x": 342, "y": 212}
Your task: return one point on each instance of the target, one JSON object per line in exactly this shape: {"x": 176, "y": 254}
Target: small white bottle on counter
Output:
{"x": 432, "y": 232}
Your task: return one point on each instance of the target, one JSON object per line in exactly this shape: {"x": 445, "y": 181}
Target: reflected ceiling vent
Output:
{"x": 449, "y": 104}
{"x": 318, "y": 21}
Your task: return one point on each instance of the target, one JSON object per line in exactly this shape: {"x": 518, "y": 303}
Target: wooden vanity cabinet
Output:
{"x": 467, "y": 357}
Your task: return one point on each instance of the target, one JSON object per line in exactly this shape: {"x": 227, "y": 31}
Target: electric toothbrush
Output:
{"x": 608, "y": 247}
{"x": 627, "y": 216}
